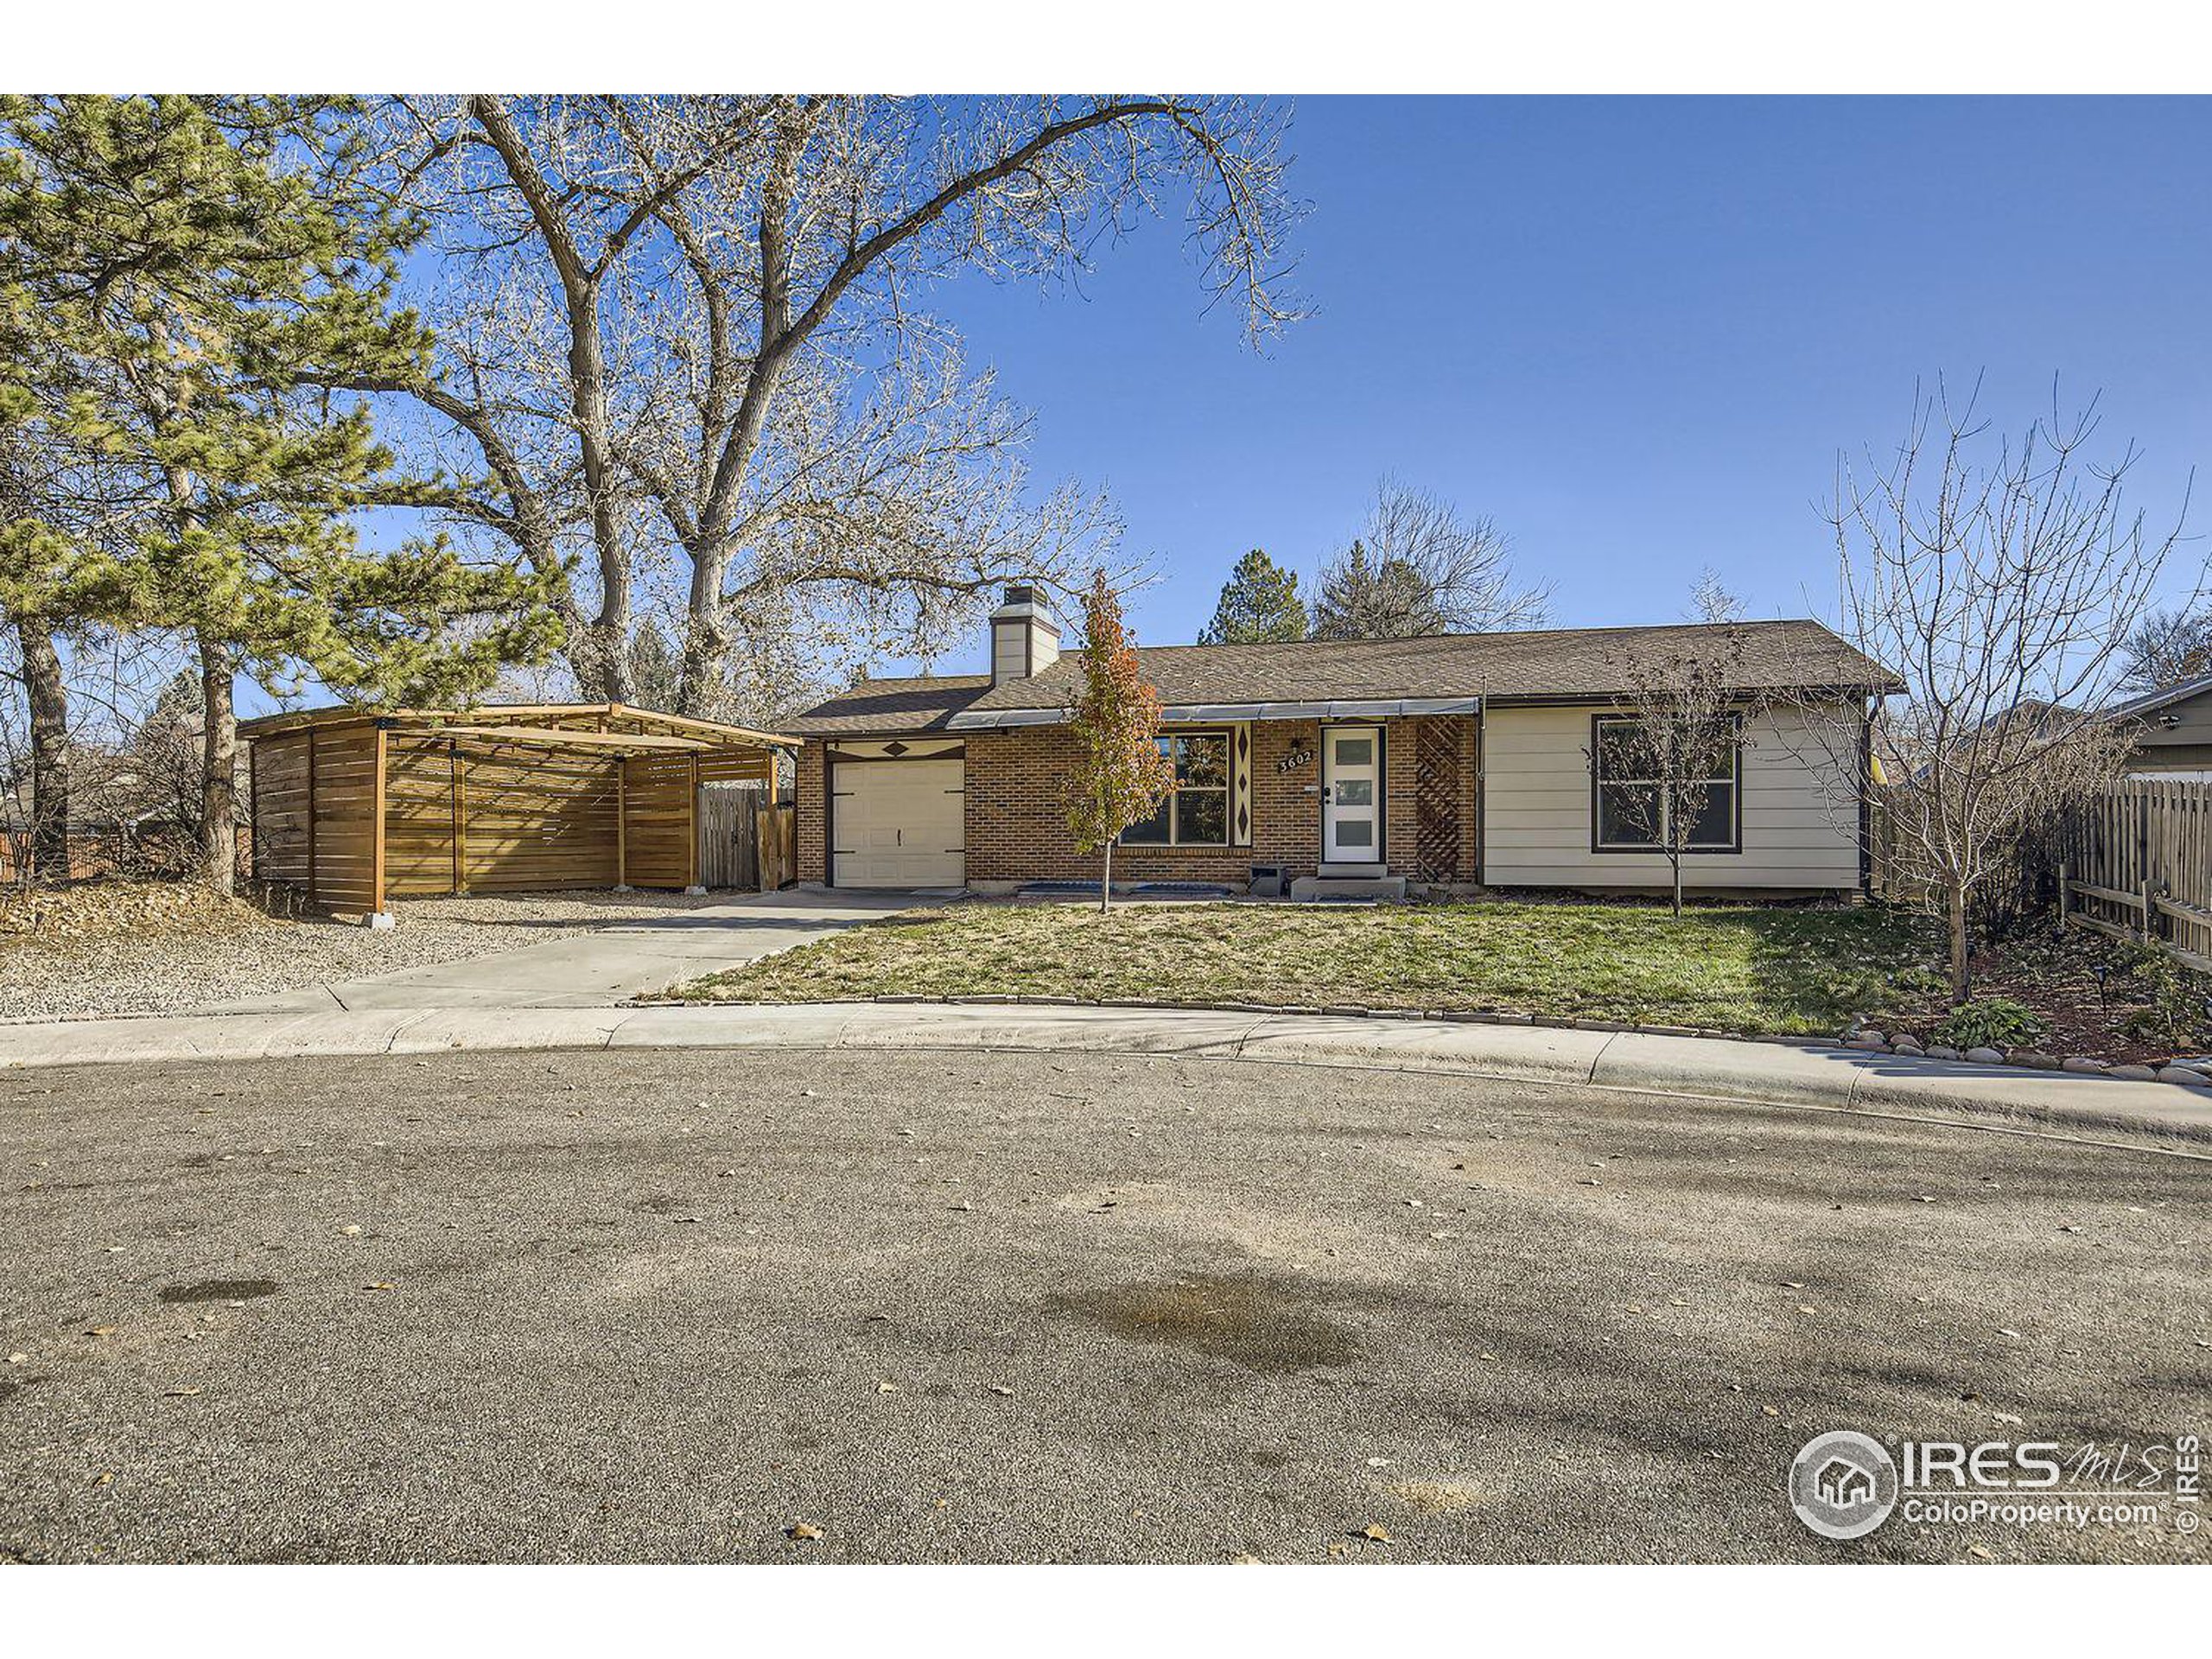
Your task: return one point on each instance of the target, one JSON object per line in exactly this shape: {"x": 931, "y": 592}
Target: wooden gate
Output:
{"x": 745, "y": 838}
{"x": 729, "y": 841}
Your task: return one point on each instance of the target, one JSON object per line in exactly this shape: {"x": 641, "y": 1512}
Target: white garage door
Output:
{"x": 897, "y": 823}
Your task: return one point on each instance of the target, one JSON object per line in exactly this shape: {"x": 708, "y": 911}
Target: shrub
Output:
{"x": 1990, "y": 1022}
{"x": 2176, "y": 1010}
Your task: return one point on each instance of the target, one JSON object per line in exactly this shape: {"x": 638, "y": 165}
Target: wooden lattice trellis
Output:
{"x": 1436, "y": 800}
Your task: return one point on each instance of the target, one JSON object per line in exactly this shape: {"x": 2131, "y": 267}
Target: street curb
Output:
{"x": 1504, "y": 1047}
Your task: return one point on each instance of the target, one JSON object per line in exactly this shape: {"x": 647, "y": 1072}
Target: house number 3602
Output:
{"x": 1297, "y": 758}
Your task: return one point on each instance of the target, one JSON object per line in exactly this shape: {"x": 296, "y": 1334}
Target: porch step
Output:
{"x": 1326, "y": 888}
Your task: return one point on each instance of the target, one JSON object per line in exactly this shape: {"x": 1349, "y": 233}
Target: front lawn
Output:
{"x": 1788, "y": 972}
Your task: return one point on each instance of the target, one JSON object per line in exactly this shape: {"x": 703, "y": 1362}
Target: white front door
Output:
{"x": 1352, "y": 794}
{"x": 896, "y": 823}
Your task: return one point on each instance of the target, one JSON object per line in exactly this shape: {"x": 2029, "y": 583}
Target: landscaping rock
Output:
{"x": 2083, "y": 1062}
{"x": 1907, "y": 1045}
{"x": 1943, "y": 1052}
{"x": 2184, "y": 1074}
{"x": 2035, "y": 1058}
{"x": 1872, "y": 1042}
{"x": 2134, "y": 1073}
{"x": 1986, "y": 1056}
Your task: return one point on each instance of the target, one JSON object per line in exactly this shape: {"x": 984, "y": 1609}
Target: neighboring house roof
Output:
{"x": 920, "y": 703}
{"x": 1439, "y": 674}
{"x": 2152, "y": 701}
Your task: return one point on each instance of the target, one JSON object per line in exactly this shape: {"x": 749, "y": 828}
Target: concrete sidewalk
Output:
{"x": 600, "y": 969}
{"x": 1835, "y": 1078}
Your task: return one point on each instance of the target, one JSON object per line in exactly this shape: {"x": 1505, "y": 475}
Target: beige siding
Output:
{"x": 1536, "y": 811}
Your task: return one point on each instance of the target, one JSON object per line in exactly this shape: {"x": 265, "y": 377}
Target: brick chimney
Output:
{"x": 1025, "y": 636}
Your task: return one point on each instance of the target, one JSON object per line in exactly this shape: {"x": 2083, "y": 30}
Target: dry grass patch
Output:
{"x": 1797, "y": 970}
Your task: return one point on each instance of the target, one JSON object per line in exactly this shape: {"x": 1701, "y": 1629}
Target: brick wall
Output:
{"x": 807, "y": 783}
{"x": 1017, "y": 826}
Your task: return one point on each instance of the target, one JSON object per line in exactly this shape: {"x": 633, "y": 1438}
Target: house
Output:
{"x": 2173, "y": 727}
{"x": 1444, "y": 763}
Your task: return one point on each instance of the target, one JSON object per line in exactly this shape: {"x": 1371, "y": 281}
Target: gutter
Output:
{"x": 1200, "y": 713}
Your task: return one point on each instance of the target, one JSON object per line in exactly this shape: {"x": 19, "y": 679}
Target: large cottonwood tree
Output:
{"x": 688, "y": 340}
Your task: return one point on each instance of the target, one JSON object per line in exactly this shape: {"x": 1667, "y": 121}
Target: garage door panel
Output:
{"x": 897, "y": 823}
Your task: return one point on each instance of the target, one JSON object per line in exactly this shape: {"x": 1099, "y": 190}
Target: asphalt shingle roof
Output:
{"x": 920, "y": 703}
{"x": 1500, "y": 667}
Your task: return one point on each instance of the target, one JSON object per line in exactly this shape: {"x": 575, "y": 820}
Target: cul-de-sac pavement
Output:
{"x": 939, "y": 1304}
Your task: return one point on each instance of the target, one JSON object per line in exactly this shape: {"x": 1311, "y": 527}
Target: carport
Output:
{"x": 356, "y": 806}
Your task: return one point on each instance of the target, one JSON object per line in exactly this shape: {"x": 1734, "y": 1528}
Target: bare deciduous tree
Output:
{"x": 1667, "y": 767}
{"x": 1994, "y": 576}
{"x": 685, "y": 339}
{"x": 1712, "y": 602}
{"x": 2167, "y": 648}
{"x": 1416, "y": 567}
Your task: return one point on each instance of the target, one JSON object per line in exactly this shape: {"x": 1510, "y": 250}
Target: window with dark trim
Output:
{"x": 1195, "y": 813}
{"x": 1627, "y": 812}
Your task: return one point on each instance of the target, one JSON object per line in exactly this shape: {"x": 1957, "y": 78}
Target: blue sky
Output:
{"x": 1634, "y": 332}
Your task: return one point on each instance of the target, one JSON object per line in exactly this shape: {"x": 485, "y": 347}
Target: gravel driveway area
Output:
{"x": 953, "y": 1306}
{"x": 253, "y": 954}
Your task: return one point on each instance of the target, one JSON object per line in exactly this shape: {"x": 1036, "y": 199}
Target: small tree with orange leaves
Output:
{"x": 1120, "y": 774}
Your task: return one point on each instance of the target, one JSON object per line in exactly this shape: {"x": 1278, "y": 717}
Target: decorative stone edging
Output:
{"x": 1870, "y": 1040}
{"x": 1864, "y": 1040}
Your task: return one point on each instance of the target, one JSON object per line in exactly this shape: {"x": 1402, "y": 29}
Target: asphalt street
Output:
{"x": 933, "y": 1305}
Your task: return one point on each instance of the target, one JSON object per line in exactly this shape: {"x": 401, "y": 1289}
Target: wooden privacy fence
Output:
{"x": 2137, "y": 864}
{"x": 745, "y": 837}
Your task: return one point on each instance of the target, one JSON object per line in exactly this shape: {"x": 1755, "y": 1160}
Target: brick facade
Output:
{"x": 1016, "y": 827}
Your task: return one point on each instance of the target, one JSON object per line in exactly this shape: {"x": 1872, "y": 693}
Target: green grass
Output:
{"x": 1786, "y": 971}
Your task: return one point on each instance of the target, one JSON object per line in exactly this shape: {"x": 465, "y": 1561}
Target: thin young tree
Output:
{"x": 1259, "y": 605}
{"x": 1665, "y": 764}
{"x": 1992, "y": 575}
{"x": 1419, "y": 567}
{"x": 1120, "y": 774}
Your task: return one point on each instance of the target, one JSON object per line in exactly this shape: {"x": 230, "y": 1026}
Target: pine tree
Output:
{"x": 1119, "y": 774}
{"x": 1259, "y": 605}
{"x": 1365, "y": 598}
{"x": 656, "y": 666}
{"x": 194, "y": 269}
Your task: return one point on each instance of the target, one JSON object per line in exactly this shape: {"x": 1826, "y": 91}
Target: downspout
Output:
{"x": 1482, "y": 783}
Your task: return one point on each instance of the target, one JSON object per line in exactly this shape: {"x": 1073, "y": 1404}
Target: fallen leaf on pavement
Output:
{"x": 1376, "y": 1536}
{"x": 800, "y": 1529}
{"x": 179, "y": 1393}
{"x": 379, "y": 1285}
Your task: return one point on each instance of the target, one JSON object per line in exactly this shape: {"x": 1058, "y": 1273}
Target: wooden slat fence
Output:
{"x": 2137, "y": 863}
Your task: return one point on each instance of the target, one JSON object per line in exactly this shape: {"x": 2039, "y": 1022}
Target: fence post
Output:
{"x": 2065, "y": 891}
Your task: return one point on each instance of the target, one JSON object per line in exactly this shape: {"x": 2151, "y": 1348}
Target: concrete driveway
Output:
{"x": 669, "y": 1305}
{"x": 599, "y": 969}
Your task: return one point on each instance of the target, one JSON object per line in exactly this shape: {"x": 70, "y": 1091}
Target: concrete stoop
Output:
{"x": 1321, "y": 889}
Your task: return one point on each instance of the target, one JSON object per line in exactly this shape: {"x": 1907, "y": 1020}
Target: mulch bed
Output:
{"x": 2056, "y": 975}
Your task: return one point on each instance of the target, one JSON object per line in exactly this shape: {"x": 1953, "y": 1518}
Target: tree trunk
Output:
{"x": 1961, "y": 981}
{"x": 1106, "y": 878}
{"x": 1678, "y": 887}
{"x": 218, "y": 788}
{"x": 49, "y": 711}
